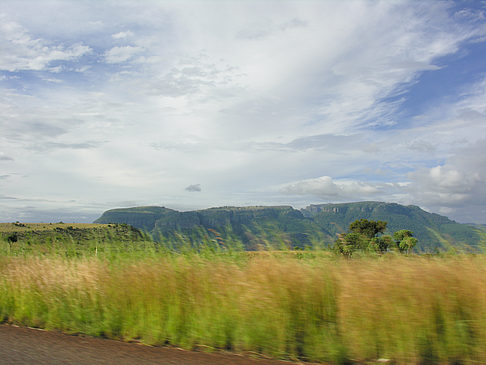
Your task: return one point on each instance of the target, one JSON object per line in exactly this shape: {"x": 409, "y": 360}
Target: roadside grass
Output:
{"x": 309, "y": 306}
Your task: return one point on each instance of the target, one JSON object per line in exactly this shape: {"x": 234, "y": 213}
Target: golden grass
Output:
{"x": 409, "y": 309}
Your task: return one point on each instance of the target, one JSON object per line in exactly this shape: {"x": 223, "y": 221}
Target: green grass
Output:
{"x": 25, "y": 227}
{"x": 307, "y": 305}
{"x": 68, "y": 239}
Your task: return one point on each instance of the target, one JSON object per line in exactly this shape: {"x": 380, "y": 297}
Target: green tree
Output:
{"x": 348, "y": 243}
{"x": 401, "y": 234}
{"x": 407, "y": 244}
{"x": 404, "y": 240}
{"x": 367, "y": 228}
{"x": 381, "y": 244}
{"x": 366, "y": 235}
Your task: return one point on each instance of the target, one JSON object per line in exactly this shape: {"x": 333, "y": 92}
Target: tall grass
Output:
{"x": 308, "y": 306}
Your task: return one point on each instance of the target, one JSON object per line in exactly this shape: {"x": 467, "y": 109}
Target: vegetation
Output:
{"x": 255, "y": 227}
{"x": 433, "y": 231}
{"x": 29, "y": 233}
{"x": 364, "y": 236}
{"x": 285, "y": 227}
{"x": 300, "y": 305}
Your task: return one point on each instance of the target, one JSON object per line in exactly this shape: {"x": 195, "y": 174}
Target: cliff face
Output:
{"x": 277, "y": 226}
{"x": 432, "y": 230}
{"x": 141, "y": 217}
{"x": 284, "y": 226}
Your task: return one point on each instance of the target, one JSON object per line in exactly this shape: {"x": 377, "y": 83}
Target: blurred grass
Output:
{"x": 307, "y": 305}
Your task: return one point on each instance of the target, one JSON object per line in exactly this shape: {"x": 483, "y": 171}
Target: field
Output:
{"x": 67, "y": 239}
{"x": 29, "y": 227}
{"x": 307, "y": 306}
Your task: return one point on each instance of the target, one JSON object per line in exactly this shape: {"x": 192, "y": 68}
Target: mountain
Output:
{"x": 255, "y": 227}
{"x": 139, "y": 217}
{"x": 284, "y": 226}
{"x": 432, "y": 230}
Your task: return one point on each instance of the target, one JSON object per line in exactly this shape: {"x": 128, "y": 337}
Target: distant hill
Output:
{"x": 68, "y": 232}
{"x": 432, "y": 230}
{"x": 284, "y": 226}
{"x": 255, "y": 227}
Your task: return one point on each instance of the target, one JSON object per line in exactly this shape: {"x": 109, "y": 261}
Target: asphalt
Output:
{"x": 20, "y": 345}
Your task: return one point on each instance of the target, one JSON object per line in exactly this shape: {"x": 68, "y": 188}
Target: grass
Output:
{"x": 69, "y": 239}
{"x": 27, "y": 227}
{"x": 307, "y": 306}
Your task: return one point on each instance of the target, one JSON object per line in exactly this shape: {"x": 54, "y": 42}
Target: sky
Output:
{"x": 196, "y": 104}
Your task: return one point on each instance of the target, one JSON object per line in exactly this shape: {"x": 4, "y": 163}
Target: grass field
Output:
{"x": 308, "y": 305}
{"x": 28, "y": 227}
{"x": 68, "y": 239}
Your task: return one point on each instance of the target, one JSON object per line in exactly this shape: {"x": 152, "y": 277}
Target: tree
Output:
{"x": 381, "y": 244}
{"x": 404, "y": 240}
{"x": 401, "y": 234}
{"x": 348, "y": 243}
{"x": 368, "y": 228}
{"x": 364, "y": 235}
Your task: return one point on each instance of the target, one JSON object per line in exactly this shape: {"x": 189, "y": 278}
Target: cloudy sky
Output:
{"x": 193, "y": 104}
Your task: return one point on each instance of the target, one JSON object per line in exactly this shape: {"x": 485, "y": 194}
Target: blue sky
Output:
{"x": 193, "y": 104}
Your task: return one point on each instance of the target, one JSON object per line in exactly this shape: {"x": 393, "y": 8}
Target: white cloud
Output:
{"x": 121, "y": 54}
{"x": 239, "y": 97}
{"x": 56, "y": 81}
{"x": 453, "y": 133}
{"x": 325, "y": 187}
{"x": 19, "y": 51}
{"x": 457, "y": 186}
{"x": 122, "y": 35}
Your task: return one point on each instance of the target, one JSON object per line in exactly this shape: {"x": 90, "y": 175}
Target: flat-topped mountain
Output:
{"x": 432, "y": 230}
{"x": 281, "y": 226}
{"x": 284, "y": 226}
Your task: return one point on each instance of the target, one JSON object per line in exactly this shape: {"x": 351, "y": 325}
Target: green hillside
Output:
{"x": 255, "y": 227}
{"x": 141, "y": 217}
{"x": 77, "y": 233}
{"x": 432, "y": 230}
{"x": 285, "y": 227}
